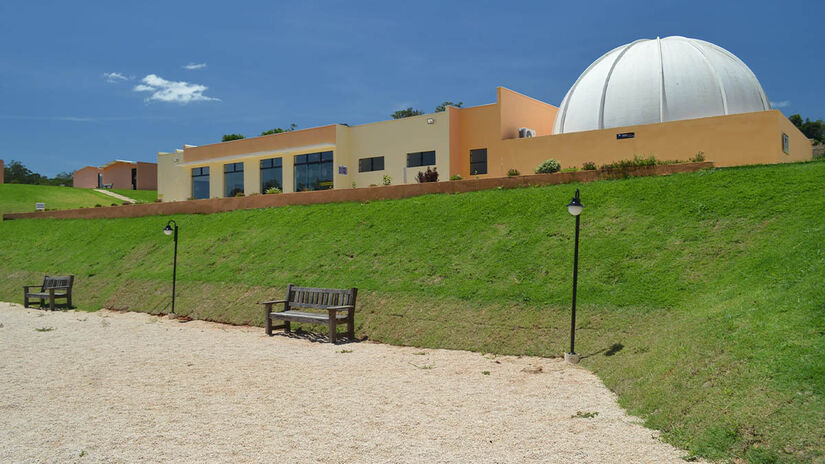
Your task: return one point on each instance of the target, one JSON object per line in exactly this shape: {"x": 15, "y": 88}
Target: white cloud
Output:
{"x": 192, "y": 66}
{"x": 170, "y": 91}
{"x": 114, "y": 77}
{"x": 781, "y": 104}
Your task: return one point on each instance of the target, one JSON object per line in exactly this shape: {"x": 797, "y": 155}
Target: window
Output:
{"x": 375, "y": 163}
{"x": 271, "y": 174}
{"x": 200, "y": 183}
{"x": 421, "y": 158}
{"x": 478, "y": 161}
{"x": 786, "y": 144}
{"x": 232, "y": 179}
{"x": 313, "y": 171}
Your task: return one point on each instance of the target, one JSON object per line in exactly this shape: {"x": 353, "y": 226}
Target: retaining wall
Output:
{"x": 392, "y": 192}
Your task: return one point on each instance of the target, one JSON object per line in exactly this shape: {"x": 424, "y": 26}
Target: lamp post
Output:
{"x": 168, "y": 231}
{"x": 575, "y": 208}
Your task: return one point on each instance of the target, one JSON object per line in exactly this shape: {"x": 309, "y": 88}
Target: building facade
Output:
{"x": 119, "y": 174}
{"x": 672, "y": 98}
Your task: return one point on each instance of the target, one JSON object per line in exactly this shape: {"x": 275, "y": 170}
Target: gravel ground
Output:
{"x": 130, "y": 387}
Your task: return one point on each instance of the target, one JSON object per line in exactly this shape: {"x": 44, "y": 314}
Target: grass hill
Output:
{"x": 701, "y": 301}
{"x": 18, "y": 198}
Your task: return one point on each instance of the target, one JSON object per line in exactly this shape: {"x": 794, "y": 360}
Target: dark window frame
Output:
{"x": 229, "y": 169}
{"x": 371, "y": 164}
{"x": 420, "y": 158}
{"x": 267, "y": 166}
{"x": 478, "y": 166}
{"x": 322, "y": 160}
{"x": 200, "y": 172}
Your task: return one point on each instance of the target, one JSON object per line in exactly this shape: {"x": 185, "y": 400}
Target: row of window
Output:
{"x": 312, "y": 171}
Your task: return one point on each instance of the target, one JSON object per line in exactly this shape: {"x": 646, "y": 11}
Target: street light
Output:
{"x": 575, "y": 208}
{"x": 168, "y": 231}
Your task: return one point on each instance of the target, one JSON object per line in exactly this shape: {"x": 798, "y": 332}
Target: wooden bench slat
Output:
{"x": 339, "y": 303}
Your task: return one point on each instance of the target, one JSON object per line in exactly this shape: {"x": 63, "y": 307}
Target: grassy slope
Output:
{"x": 700, "y": 298}
{"x": 16, "y": 198}
{"x": 143, "y": 196}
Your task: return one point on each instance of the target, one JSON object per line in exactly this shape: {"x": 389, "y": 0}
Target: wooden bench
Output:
{"x": 339, "y": 305}
{"x": 53, "y": 287}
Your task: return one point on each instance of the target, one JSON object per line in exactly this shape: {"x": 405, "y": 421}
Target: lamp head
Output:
{"x": 575, "y": 206}
{"x": 167, "y": 230}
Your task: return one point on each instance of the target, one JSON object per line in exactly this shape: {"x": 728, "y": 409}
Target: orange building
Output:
{"x": 119, "y": 174}
{"x": 673, "y": 98}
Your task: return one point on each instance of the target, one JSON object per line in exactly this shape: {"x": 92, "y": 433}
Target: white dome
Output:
{"x": 650, "y": 81}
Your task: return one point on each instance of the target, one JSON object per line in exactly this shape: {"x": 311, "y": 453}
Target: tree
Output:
{"x": 406, "y": 113}
{"x": 443, "y": 106}
{"x": 229, "y": 137}
{"x": 16, "y": 173}
{"x": 812, "y": 129}
{"x": 279, "y": 130}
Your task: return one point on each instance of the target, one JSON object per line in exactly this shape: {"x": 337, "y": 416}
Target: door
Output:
{"x": 134, "y": 178}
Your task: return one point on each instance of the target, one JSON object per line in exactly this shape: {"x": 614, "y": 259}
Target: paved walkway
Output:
{"x": 116, "y": 195}
{"x": 129, "y": 387}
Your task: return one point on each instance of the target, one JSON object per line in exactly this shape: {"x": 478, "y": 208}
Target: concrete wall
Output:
{"x": 147, "y": 176}
{"x": 119, "y": 175}
{"x": 174, "y": 181}
{"x": 345, "y": 195}
{"x": 394, "y": 140}
{"x": 86, "y": 177}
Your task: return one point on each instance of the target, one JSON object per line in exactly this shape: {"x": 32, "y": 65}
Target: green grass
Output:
{"x": 20, "y": 198}
{"x": 142, "y": 196}
{"x": 701, "y": 300}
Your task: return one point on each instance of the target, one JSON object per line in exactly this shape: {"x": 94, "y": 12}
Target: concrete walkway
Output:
{"x": 130, "y": 387}
{"x": 116, "y": 195}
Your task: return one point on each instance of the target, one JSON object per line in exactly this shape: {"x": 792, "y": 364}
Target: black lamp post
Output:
{"x": 168, "y": 231}
{"x": 575, "y": 208}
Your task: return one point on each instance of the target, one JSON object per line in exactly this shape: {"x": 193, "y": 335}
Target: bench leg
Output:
{"x": 268, "y": 319}
{"x": 51, "y": 299}
{"x": 25, "y": 299}
{"x": 287, "y": 328}
{"x": 332, "y": 332}
{"x": 42, "y": 303}
{"x": 69, "y": 300}
{"x": 351, "y": 325}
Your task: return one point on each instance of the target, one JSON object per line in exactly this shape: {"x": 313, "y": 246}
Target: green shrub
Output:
{"x": 239, "y": 194}
{"x": 636, "y": 162}
{"x": 272, "y": 191}
{"x": 430, "y": 175}
{"x": 513, "y": 172}
{"x": 698, "y": 158}
{"x": 455, "y": 177}
{"x": 589, "y": 166}
{"x": 387, "y": 180}
{"x": 548, "y": 167}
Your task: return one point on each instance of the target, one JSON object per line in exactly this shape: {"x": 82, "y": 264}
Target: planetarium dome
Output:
{"x": 658, "y": 80}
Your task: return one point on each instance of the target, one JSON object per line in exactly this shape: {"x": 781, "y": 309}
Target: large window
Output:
{"x": 200, "y": 183}
{"x": 313, "y": 171}
{"x": 271, "y": 174}
{"x": 375, "y": 163}
{"x": 232, "y": 179}
{"x": 421, "y": 158}
{"x": 478, "y": 161}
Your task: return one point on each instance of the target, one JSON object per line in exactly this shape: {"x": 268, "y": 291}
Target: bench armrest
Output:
{"x": 342, "y": 308}
{"x": 27, "y": 287}
{"x": 273, "y": 302}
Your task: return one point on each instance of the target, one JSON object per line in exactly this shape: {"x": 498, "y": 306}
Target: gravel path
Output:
{"x": 129, "y": 387}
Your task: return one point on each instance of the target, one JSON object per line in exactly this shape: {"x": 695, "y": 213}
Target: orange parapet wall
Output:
{"x": 267, "y": 143}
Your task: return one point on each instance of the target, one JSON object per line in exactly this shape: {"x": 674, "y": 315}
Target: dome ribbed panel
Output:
{"x": 668, "y": 79}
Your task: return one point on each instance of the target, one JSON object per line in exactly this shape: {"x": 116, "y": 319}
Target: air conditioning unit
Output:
{"x": 524, "y": 132}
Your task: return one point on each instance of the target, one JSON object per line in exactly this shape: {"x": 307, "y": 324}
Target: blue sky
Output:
{"x": 82, "y": 83}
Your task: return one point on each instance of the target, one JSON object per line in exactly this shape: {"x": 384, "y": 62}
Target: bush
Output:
{"x": 636, "y": 162}
{"x": 272, "y": 191}
{"x": 573, "y": 169}
{"x": 98, "y": 205}
{"x": 387, "y": 180}
{"x": 548, "y": 167}
{"x": 589, "y": 166}
{"x": 698, "y": 158}
{"x": 455, "y": 177}
{"x": 513, "y": 172}
{"x": 239, "y": 194}
{"x": 430, "y": 175}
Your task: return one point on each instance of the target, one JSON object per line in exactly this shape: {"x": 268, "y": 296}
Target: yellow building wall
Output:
{"x": 393, "y": 140}
{"x": 800, "y": 147}
{"x": 174, "y": 182}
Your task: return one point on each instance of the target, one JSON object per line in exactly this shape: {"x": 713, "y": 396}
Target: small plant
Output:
{"x": 585, "y": 415}
{"x": 82, "y": 453}
{"x": 353, "y": 184}
{"x": 548, "y": 167}
{"x": 455, "y": 177}
{"x": 386, "y": 180}
{"x": 425, "y": 367}
{"x": 417, "y": 353}
{"x": 430, "y": 175}
{"x": 513, "y": 173}
{"x": 115, "y": 204}
{"x": 698, "y": 158}
{"x": 572, "y": 169}
{"x": 238, "y": 194}
{"x": 98, "y": 205}
{"x": 158, "y": 200}
{"x": 125, "y": 203}
{"x": 44, "y": 329}
{"x": 272, "y": 191}
{"x": 485, "y": 372}
{"x": 589, "y": 166}
{"x": 344, "y": 351}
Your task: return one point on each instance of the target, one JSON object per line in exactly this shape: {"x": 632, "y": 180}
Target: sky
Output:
{"x": 86, "y": 82}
